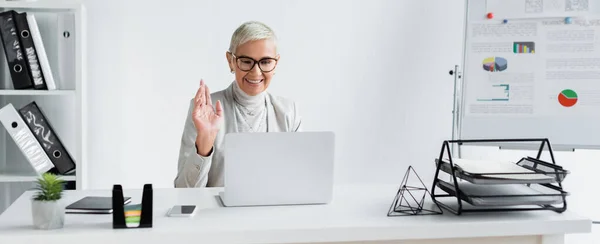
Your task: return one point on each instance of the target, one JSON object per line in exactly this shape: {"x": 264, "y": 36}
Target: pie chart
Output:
{"x": 567, "y": 98}
{"x": 495, "y": 64}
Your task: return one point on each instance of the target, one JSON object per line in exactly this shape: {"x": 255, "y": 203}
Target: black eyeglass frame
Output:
{"x": 254, "y": 62}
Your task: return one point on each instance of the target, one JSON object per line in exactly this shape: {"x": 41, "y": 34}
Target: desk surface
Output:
{"x": 357, "y": 213}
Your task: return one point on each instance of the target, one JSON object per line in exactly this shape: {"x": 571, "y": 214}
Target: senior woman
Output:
{"x": 244, "y": 106}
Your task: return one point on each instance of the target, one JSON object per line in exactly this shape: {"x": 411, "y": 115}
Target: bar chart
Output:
{"x": 524, "y": 47}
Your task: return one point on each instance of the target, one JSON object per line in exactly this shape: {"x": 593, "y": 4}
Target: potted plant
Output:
{"x": 47, "y": 209}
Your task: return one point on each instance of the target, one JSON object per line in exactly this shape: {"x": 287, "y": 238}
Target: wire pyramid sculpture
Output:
{"x": 410, "y": 200}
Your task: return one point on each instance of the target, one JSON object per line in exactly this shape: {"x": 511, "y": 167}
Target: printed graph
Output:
{"x": 524, "y": 47}
{"x": 497, "y": 93}
{"x": 495, "y": 64}
{"x": 567, "y": 98}
{"x": 577, "y": 5}
{"x": 534, "y": 6}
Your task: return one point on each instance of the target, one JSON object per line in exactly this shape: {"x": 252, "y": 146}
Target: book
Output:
{"x": 93, "y": 205}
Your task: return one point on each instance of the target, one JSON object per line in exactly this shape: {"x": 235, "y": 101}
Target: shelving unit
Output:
{"x": 62, "y": 26}
{"x": 36, "y": 92}
{"x": 15, "y": 177}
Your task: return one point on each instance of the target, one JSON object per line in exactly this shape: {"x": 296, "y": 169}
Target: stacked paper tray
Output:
{"x": 505, "y": 195}
{"x": 526, "y": 171}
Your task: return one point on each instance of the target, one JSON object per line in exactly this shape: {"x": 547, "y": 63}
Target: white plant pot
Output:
{"x": 48, "y": 215}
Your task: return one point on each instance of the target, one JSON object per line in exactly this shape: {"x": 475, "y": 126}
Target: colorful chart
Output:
{"x": 567, "y": 98}
{"x": 495, "y": 64}
{"x": 524, "y": 47}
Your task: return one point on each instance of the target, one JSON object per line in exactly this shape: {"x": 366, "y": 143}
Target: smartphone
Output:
{"x": 182, "y": 211}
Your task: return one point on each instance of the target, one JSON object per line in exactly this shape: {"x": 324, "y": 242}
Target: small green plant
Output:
{"x": 50, "y": 188}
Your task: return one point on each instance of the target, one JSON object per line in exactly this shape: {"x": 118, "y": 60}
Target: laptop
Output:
{"x": 278, "y": 168}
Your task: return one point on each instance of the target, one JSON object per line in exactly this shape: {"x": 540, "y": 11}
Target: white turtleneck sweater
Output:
{"x": 251, "y": 111}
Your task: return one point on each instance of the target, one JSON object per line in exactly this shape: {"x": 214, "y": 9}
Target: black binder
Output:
{"x": 30, "y": 52}
{"x": 45, "y": 134}
{"x": 13, "y": 50}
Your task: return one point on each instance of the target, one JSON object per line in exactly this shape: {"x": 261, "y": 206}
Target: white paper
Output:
{"x": 486, "y": 166}
{"x": 486, "y": 195}
{"x": 533, "y": 68}
{"x": 507, "y": 9}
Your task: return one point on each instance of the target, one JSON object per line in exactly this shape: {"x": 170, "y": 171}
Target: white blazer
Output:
{"x": 194, "y": 170}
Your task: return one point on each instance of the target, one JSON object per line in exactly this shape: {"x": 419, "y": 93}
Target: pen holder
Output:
{"x": 132, "y": 215}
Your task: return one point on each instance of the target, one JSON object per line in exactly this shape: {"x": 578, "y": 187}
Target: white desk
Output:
{"x": 358, "y": 214}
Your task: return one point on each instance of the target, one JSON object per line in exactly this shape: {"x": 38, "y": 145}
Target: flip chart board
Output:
{"x": 531, "y": 70}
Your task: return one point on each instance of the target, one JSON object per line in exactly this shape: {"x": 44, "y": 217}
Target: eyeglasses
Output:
{"x": 247, "y": 63}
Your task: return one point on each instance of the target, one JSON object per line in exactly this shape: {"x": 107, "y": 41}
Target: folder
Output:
{"x": 42, "y": 130}
{"x": 30, "y": 51}
{"x": 66, "y": 52}
{"x": 13, "y": 50}
{"x": 41, "y": 52}
{"x": 93, "y": 205}
{"x": 25, "y": 140}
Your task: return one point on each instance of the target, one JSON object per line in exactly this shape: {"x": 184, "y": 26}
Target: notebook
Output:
{"x": 93, "y": 204}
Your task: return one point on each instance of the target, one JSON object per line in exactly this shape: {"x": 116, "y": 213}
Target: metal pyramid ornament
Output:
{"x": 410, "y": 200}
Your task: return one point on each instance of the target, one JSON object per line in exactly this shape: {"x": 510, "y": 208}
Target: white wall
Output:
{"x": 359, "y": 68}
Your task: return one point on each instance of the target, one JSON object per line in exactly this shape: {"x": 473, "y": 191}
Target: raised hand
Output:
{"x": 207, "y": 119}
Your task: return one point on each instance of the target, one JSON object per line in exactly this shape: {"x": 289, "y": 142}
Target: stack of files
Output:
{"x": 504, "y": 183}
{"x": 37, "y": 139}
{"x": 25, "y": 53}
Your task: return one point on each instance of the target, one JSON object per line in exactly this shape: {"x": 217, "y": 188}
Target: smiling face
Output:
{"x": 247, "y": 62}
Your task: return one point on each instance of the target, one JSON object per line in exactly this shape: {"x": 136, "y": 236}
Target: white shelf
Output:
{"x": 66, "y": 107}
{"x": 35, "y": 92}
{"x": 22, "y": 177}
{"x": 41, "y": 5}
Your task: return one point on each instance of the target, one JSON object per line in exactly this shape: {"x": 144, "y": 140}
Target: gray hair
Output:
{"x": 250, "y": 31}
